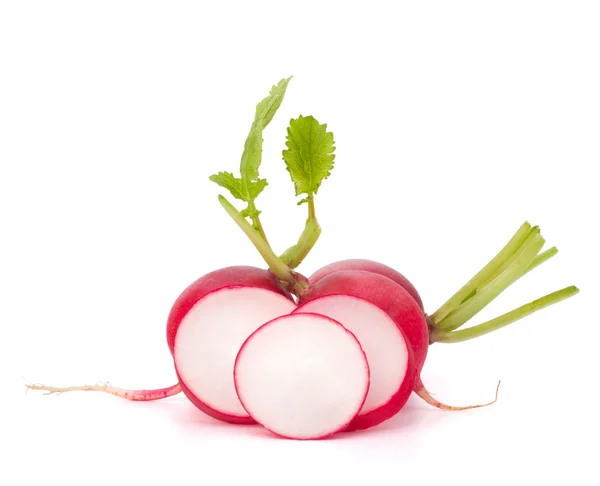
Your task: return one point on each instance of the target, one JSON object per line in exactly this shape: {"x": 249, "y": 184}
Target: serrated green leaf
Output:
{"x": 234, "y": 186}
{"x": 229, "y": 182}
{"x": 309, "y": 157}
{"x": 255, "y": 188}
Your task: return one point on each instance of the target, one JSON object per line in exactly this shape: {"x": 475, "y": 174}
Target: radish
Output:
{"x": 385, "y": 294}
{"x": 343, "y": 350}
{"x": 335, "y": 296}
{"x": 302, "y": 376}
{"x": 207, "y": 326}
{"x": 518, "y": 257}
{"x": 368, "y": 266}
{"x": 229, "y": 277}
{"x": 388, "y": 352}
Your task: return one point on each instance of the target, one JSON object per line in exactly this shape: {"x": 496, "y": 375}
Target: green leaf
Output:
{"x": 265, "y": 110}
{"x": 229, "y": 182}
{"x": 248, "y": 186}
{"x": 255, "y": 188}
{"x": 309, "y": 156}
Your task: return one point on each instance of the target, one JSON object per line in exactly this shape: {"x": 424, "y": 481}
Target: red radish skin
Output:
{"x": 302, "y": 376}
{"x": 368, "y": 266}
{"x": 390, "y": 356}
{"x": 209, "y": 324}
{"x": 225, "y": 277}
{"x": 385, "y": 294}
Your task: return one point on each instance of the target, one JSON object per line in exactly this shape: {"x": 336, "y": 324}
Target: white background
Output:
{"x": 454, "y": 123}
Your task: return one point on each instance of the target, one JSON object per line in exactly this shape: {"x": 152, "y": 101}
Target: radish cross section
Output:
{"x": 302, "y": 376}
{"x": 209, "y": 338}
{"x": 389, "y": 356}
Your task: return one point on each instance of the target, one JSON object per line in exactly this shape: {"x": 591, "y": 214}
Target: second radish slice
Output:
{"x": 302, "y": 376}
{"x": 390, "y": 357}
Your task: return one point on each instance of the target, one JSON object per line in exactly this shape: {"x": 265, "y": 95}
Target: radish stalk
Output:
{"x": 541, "y": 258}
{"x": 294, "y": 255}
{"x": 514, "y": 243}
{"x": 516, "y": 265}
{"x": 280, "y": 269}
{"x": 257, "y": 225}
{"x": 506, "y": 270}
{"x": 133, "y": 395}
{"x": 505, "y": 319}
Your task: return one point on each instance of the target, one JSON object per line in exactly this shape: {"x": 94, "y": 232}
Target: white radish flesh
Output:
{"x": 302, "y": 376}
{"x": 209, "y": 339}
{"x": 388, "y": 353}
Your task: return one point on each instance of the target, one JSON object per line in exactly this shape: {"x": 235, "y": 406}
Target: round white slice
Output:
{"x": 210, "y": 336}
{"x": 302, "y": 376}
{"x": 383, "y": 343}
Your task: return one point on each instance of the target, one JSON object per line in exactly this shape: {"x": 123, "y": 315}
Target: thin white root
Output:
{"x": 424, "y": 394}
{"x": 134, "y": 395}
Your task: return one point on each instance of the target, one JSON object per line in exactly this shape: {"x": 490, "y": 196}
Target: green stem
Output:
{"x": 509, "y": 249}
{"x": 294, "y": 255}
{"x": 505, "y": 319}
{"x": 259, "y": 228}
{"x": 537, "y": 261}
{"x": 311, "y": 208}
{"x": 515, "y": 268}
{"x": 541, "y": 258}
{"x": 280, "y": 269}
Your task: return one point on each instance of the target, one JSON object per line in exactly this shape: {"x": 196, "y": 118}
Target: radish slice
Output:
{"x": 209, "y": 338}
{"x": 302, "y": 376}
{"x": 390, "y": 358}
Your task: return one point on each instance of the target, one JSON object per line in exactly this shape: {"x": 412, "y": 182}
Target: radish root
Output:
{"x": 134, "y": 395}
{"x": 424, "y": 394}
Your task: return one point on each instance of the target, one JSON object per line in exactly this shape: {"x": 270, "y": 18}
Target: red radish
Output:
{"x": 382, "y": 292}
{"x": 390, "y": 356}
{"x": 399, "y": 305}
{"x": 227, "y": 277}
{"x": 302, "y": 376}
{"x": 208, "y": 324}
{"x": 368, "y": 266}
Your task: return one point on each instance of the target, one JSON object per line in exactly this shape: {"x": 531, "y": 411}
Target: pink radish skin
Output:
{"x": 225, "y": 277}
{"x": 368, "y": 266}
{"x": 209, "y": 323}
{"x": 384, "y": 293}
{"x": 390, "y": 356}
{"x": 302, "y": 376}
